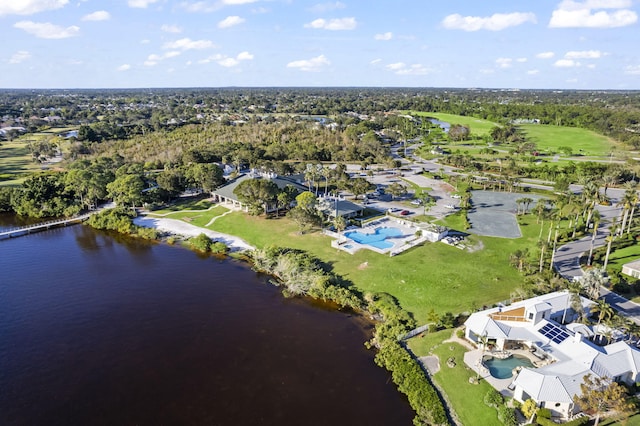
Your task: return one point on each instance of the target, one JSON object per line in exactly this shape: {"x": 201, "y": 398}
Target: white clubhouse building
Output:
{"x": 564, "y": 352}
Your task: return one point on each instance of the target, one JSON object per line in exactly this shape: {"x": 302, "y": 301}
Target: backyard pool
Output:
{"x": 503, "y": 368}
{"x": 377, "y": 238}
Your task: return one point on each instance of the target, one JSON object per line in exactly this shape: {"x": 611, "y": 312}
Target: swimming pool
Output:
{"x": 503, "y": 368}
{"x": 377, "y": 239}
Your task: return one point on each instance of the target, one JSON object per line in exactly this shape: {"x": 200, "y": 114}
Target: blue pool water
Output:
{"x": 376, "y": 239}
{"x": 503, "y": 368}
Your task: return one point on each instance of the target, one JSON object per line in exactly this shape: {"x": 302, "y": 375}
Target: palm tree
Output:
{"x": 590, "y": 197}
{"x": 574, "y": 302}
{"x": 596, "y": 222}
{"x": 543, "y": 245}
{"x": 326, "y": 173}
{"x": 633, "y": 330}
{"x": 610, "y": 238}
{"x": 626, "y": 202}
{"x": 519, "y": 258}
{"x": 553, "y": 252}
{"x": 519, "y": 202}
{"x": 603, "y": 309}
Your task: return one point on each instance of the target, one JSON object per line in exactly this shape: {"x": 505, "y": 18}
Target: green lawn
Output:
{"x": 15, "y": 161}
{"x": 478, "y": 126}
{"x": 464, "y": 397}
{"x": 434, "y": 276}
{"x": 584, "y": 142}
{"x": 198, "y": 213}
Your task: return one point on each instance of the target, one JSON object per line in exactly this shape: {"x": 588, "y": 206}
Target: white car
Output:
{"x": 416, "y": 202}
{"x": 450, "y": 206}
{"x": 455, "y": 196}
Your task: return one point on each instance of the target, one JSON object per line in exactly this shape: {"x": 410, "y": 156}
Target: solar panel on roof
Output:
{"x": 554, "y": 333}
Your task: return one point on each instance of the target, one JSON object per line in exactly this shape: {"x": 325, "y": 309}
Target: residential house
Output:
{"x": 566, "y": 353}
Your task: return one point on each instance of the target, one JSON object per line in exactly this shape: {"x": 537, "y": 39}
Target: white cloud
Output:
{"x": 333, "y": 24}
{"x": 230, "y": 21}
{"x": 29, "y": 7}
{"x": 327, "y": 7}
{"x": 375, "y": 61}
{"x": 632, "y": 70}
{"x": 385, "y": 36}
{"x": 396, "y": 66}
{"x": 188, "y": 44}
{"x": 566, "y": 63}
{"x": 19, "y": 56}
{"x": 244, "y": 56}
{"x": 211, "y": 58}
{"x": 495, "y": 22}
{"x": 521, "y": 60}
{"x": 313, "y": 65}
{"x": 47, "y": 30}
{"x": 100, "y": 15}
{"x": 585, "y": 54}
{"x": 228, "y": 62}
{"x": 504, "y": 62}
{"x": 415, "y": 69}
{"x": 154, "y": 58}
{"x": 124, "y": 67}
{"x": 141, "y": 4}
{"x": 590, "y": 14}
{"x": 533, "y": 72}
{"x": 545, "y": 55}
{"x": 173, "y": 29}
{"x": 401, "y": 68}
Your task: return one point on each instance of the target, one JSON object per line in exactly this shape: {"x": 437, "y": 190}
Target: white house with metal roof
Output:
{"x": 565, "y": 352}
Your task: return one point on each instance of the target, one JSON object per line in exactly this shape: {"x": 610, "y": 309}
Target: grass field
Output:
{"x": 16, "y": 161}
{"x": 583, "y": 142}
{"x": 434, "y": 276}
{"x": 455, "y": 381}
{"x": 478, "y": 126}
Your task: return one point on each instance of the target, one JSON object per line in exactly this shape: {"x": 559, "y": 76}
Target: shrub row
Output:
{"x": 506, "y": 415}
{"x": 121, "y": 220}
{"x": 206, "y": 245}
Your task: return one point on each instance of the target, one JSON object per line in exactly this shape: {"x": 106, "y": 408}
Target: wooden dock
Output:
{"x": 37, "y": 227}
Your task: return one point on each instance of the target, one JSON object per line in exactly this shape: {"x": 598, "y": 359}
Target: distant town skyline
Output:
{"x": 567, "y": 44}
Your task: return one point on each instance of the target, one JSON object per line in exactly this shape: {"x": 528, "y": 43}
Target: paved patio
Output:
{"x": 472, "y": 360}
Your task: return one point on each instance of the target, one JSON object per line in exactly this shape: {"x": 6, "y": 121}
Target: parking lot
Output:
{"x": 494, "y": 213}
{"x": 440, "y": 191}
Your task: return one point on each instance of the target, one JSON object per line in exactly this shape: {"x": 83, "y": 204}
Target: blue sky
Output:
{"x": 543, "y": 44}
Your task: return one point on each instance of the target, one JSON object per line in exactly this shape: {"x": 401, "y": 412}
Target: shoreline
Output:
{"x": 180, "y": 228}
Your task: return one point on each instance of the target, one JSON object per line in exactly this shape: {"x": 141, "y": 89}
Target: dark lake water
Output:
{"x": 100, "y": 330}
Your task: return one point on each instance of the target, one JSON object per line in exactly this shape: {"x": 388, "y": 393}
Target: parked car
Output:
{"x": 405, "y": 212}
{"x": 450, "y": 206}
{"x": 455, "y": 196}
{"x": 416, "y": 202}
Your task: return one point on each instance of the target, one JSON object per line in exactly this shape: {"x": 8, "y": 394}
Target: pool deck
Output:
{"x": 400, "y": 243}
{"x": 473, "y": 360}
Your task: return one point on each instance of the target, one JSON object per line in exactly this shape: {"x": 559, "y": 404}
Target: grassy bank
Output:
{"x": 434, "y": 276}
{"x": 455, "y": 381}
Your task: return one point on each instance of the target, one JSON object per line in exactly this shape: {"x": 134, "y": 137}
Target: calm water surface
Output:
{"x": 96, "y": 330}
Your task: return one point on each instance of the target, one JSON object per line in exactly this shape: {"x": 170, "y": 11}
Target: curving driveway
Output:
{"x": 567, "y": 257}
